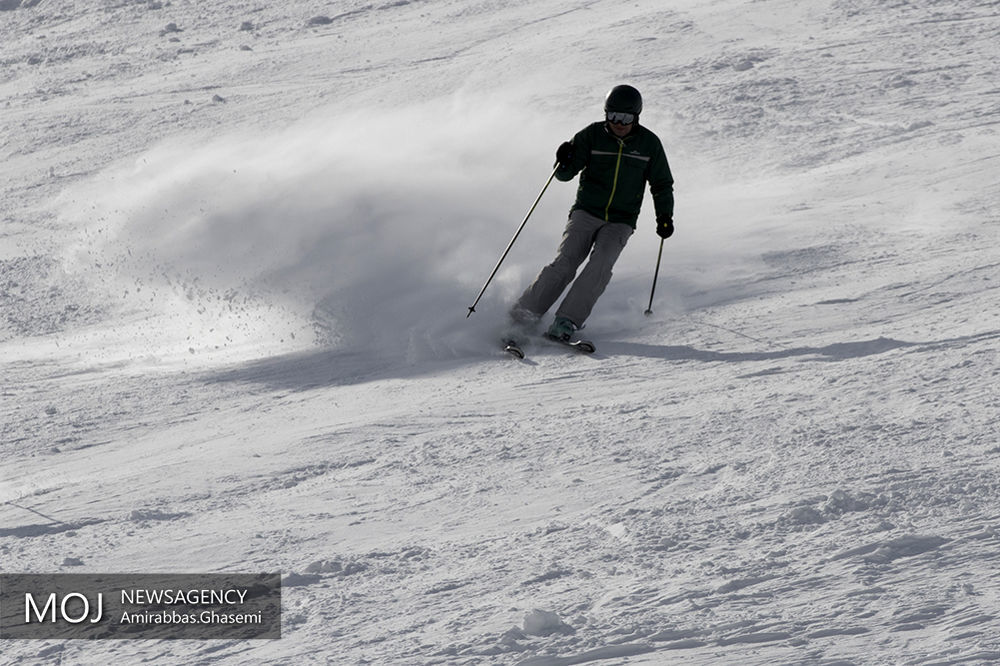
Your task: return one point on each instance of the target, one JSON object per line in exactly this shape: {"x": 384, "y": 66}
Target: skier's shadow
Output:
{"x": 305, "y": 370}
{"x": 840, "y": 351}
{"x": 320, "y": 368}
{"x": 312, "y": 369}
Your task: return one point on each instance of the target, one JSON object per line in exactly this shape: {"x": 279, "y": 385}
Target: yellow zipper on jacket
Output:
{"x": 614, "y": 183}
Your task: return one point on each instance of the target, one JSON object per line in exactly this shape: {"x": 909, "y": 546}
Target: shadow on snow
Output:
{"x": 314, "y": 369}
{"x": 840, "y": 351}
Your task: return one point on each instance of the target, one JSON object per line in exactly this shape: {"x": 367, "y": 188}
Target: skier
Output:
{"x": 615, "y": 160}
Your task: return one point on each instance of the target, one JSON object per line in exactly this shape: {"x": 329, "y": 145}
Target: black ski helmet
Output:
{"x": 623, "y": 98}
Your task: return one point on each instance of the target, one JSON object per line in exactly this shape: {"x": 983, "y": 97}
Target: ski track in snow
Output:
{"x": 223, "y": 349}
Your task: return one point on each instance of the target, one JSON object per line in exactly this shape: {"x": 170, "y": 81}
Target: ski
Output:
{"x": 582, "y": 346}
{"x": 512, "y": 348}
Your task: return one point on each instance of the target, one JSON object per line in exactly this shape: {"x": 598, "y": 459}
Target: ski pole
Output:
{"x": 472, "y": 308}
{"x": 649, "y": 310}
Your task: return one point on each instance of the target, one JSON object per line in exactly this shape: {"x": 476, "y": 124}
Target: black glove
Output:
{"x": 664, "y": 227}
{"x": 564, "y": 154}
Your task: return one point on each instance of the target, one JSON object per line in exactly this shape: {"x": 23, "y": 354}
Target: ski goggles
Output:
{"x": 620, "y": 117}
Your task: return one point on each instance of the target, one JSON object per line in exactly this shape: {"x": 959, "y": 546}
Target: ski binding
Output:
{"x": 583, "y": 346}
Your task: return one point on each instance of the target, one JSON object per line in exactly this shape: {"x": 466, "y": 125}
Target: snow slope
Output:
{"x": 238, "y": 244}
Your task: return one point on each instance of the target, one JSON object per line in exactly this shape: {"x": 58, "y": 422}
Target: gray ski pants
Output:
{"x": 585, "y": 234}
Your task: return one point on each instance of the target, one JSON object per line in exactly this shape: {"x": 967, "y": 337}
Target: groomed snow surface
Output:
{"x": 238, "y": 245}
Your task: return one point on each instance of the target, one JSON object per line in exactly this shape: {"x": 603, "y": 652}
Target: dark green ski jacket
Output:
{"x": 614, "y": 172}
